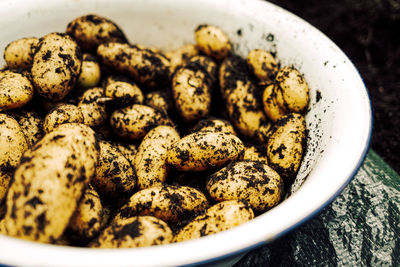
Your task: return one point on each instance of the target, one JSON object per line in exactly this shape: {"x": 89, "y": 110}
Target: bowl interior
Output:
{"x": 339, "y": 120}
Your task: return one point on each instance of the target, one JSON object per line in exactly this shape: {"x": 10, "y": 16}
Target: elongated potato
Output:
{"x": 90, "y": 71}
{"x": 140, "y": 231}
{"x": 262, "y": 64}
{"x": 19, "y": 53}
{"x": 293, "y": 92}
{"x": 218, "y": 218}
{"x": 205, "y": 150}
{"x": 63, "y": 113}
{"x": 124, "y": 94}
{"x": 49, "y": 183}
{"x": 271, "y": 107}
{"x": 150, "y": 161}
{"x": 168, "y": 203}
{"x": 31, "y": 125}
{"x": 212, "y": 41}
{"x": 252, "y": 181}
{"x": 214, "y": 125}
{"x": 145, "y": 66}
{"x": 92, "y": 30}
{"x": 114, "y": 174}
{"x": 286, "y": 145}
{"x": 15, "y": 90}
{"x": 93, "y": 107}
{"x": 56, "y": 65}
{"x": 136, "y": 121}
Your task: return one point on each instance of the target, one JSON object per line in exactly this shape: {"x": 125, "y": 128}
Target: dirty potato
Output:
{"x": 16, "y": 90}
{"x": 93, "y": 106}
{"x": 252, "y": 181}
{"x": 56, "y": 65}
{"x": 286, "y": 145}
{"x": 205, "y": 150}
{"x": 214, "y": 125}
{"x": 160, "y": 100}
{"x": 218, "y": 218}
{"x": 180, "y": 56}
{"x": 63, "y": 113}
{"x": 255, "y": 153}
{"x": 90, "y": 71}
{"x": 49, "y": 183}
{"x": 138, "y": 231}
{"x": 128, "y": 150}
{"x": 150, "y": 163}
{"x": 263, "y": 65}
{"x": 92, "y": 30}
{"x": 271, "y": 107}
{"x": 31, "y": 125}
{"x": 168, "y": 203}
{"x": 123, "y": 94}
{"x": 5, "y": 178}
{"x": 114, "y": 174}
{"x": 19, "y": 53}
{"x": 212, "y": 41}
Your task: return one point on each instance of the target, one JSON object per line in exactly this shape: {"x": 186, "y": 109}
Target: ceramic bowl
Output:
{"x": 339, "y": 120}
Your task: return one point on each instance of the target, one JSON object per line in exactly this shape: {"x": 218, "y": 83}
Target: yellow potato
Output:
{"x": 15, "y": 90}
{"x": 128, "y": 150}
{"x": 180, "y": 56}
{"x": 31, "y": 125}
{"x": 5, "y": 178}
{"x": 271, "y": 107}
{"x": 264, "y": 132}
{"x": 214, "y": 125}
{"x": 124, "y": 94}
{"x": 255, "y": 153}
{"x": 90, "y": 72}
{"x": 160, "y": 100}
{"x": 19, "y": 53}
{"x": 262, "y": 64}
{"x": 212, "y": 41}
{"x": 205, "y": 150}
{"x": 93, "y": 107}
{"x": 63, "y": 113}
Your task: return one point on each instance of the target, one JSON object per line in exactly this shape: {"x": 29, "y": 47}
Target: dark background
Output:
{"x": 368, "y": 31}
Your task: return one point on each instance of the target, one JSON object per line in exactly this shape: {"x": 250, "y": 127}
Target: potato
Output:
{"x": 56, "y": 66}
{"x": 286, "y": 145}
{"x": 49, "y": 183}
{"x": 263, "y": 65}
{"x": 15, "y": 90}
{"x": 19, "y": 53}
{"x": 160, "y": 100}
{"x": 5, "y": 178}
{"x": 12, "y": 143}
{"x": 212, "y": 41}
{"x": 264, "y": 132}
{"x": 168, "y": 203}
{"x": 140, "y": 231}
{"x": 252, "y": 181}
{"x": 124, "y": 94}
{"x": 128, "y": 150}
{"x": 255, "y": 153}
{"x": 240, "y": 96}
{"x": 92, "y": 30}
{"x": 214, "y": 125}
{"x": 292, "y": 93}
{"x": 180, "y": 56}
{"x": 114, "y": 174}
{"x": 93, "y": 107}
{"x": 31, "y": 125}
{"x": 90, "y": 72}
{"x": 204, "y": 150}
{"x": 271, "y": 107}
{"x": 146, "y": 67}
{"x": 206, "y": 63}
{"x": 218, "y": 218}
{"x": 135, "y": 121}
{"x": 87, "y": 220}
{"x": 150, "y": 161}
{"x": 63, "y": 113}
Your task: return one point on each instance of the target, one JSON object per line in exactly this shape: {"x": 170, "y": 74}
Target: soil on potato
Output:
{"x": 368, "y": 32}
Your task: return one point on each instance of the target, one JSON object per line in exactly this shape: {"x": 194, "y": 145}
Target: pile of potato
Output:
{"x": 108, "y": 144}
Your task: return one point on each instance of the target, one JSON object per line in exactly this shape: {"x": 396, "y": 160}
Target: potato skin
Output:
{"x": 271, "y": 106}
{"x": 93, "y": 107}
{"x": 205, "y": 150}
{"x": 252, "y": 181}
{"x": 63, "y": 113}
{"x": 214, "y": 125}
{"x": 168, "y": 203}
{"x": 92, "y": 30}
{"x": 161, "y": 100}
{"x": 49, "y": 183}
{"x": 90, "y": 71}
{"x": 19, "y": 53}
{"x": 150, "y": 161}
{"x": 138, "y": 231}
{"x": 255, "y": 153}
{"x": 286, "y": 145}
{"x": 128, "y": 150}
{"x": 16, "y": 90}
{"x": 263, "y": 65}
{"x": 212, "y": 41}
{"x": 218, "y": 218}
{"x": 5, "y": 178}
{"x": 56, "y": 65}
{"x": 31, "y": 125}
{"x": 180, "y": 56}
{"x": 124, "y": 94}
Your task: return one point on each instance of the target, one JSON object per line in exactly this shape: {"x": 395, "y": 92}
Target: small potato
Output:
{"x": 56, "y": 65}
{"x": 140, "y": 231}
{"x": 146, "y": 67}
{"x": 49, "y": 183}
{"x": 114, "y": 174}
{"x": 90, "y": 72}
{"x": 150, "y": 161}
{"x": 263, "y": 65}
{"x": 214, "y": 125}
{"x": 12, "y": 143}
{"x": 15, "y": 90}
{"x": 252, "y": 181}
{"x": 124, "y": 94}
{"x": 19, "y": 53}
{"x": 212, "y": 41}
{"x": 5, "y": 178}
{"x": 255, "y": 153}
{"x": 31, "y": 125}
{"x": 92, "y": 30}
{"x": 180, "y": 56}
{"x": 218, "y": 218}
{"x": 286, "y": 145}
{"x": 160, "y": 100}
{"x": 93, "y": 107}
{"x": 271, "y": 107}
{"x": 135, "y": 121}
{"x": 205, "y": 150}
{"x": 168, "y": 203}
{"x": 292, "y": 93}
{"x": 63, "y": 113}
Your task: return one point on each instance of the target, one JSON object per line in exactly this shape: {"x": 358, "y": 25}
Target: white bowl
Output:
{"x": 339, "y": 123}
